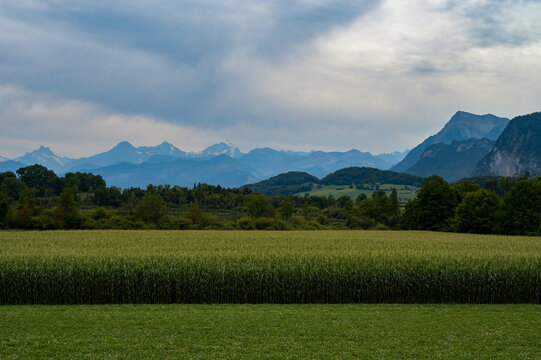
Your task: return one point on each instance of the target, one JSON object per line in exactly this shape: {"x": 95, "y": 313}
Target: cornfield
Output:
{"x": 267, "y": 267}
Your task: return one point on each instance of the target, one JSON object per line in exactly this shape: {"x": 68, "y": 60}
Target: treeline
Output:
{"x": 36, "y": 198}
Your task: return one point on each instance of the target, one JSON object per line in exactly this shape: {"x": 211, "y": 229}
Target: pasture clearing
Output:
{"x": 405, "y": 192}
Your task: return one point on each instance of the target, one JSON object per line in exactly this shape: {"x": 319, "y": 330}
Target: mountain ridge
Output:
{"x": 451, "y": 161}
{"x": 462, "y": 126}
{"x": 255, "y": 165}
{"x": 517, "y": 150}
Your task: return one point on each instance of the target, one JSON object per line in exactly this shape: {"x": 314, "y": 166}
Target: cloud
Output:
{"x": 77, "y": 128}
{"x": 306, "y": 74}
{"x": 407, "y": 65}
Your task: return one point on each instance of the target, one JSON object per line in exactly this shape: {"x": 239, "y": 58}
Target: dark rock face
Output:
{"x": 453, "y": 161}
{"x": 517, "y": 150}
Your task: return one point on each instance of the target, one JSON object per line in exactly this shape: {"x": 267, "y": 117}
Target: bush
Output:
{"x": 245, "y": 223}
{"x": 270, "y": 224}
{"x": 298, "y": 222}
{"x": 100, "y": 213}
{"x": 175, "y": 223}
{"x": 44, "y": 221}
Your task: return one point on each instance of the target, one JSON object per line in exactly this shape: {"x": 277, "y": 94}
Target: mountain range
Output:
{"x": 467, "y": 145}
{"x": 126, "y": 165}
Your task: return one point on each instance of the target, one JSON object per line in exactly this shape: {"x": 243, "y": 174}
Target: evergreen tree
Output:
{"x": 4, "y": 209}
{"x": 66, "y": 214}
{"x": 393, "y": 209}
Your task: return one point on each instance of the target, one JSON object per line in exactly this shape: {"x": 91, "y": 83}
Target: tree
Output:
{"x": 345, "y": 201}
{"x": 522, "y": 208}
{"x": 393, "y": 209}
{"x": 434, "y": 207}
{"x": 257, "y": 206}
{"x": 7, "y": 174}
{"x": 478, "y": 212}
{"x": 286, "y": 208}
{"x": 40, "y": 178}
{"x": 25, "y": 209}
{"x": 361, "y": 197}
{"x": 464, "y": 187}
{"x": 65, "y": 213}
{"x": 151, "y": 209}
{"x": 4, "y": 208}
{"x": 12, "y": 187}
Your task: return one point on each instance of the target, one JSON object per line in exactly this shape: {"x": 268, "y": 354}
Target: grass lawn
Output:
{"x": 271, "y": 332}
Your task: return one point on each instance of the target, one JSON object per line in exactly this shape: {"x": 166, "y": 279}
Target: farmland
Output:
{"x": 405, "y": 192}
{"x": 95, "y": 267}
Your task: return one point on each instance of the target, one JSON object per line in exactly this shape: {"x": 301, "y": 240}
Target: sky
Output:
{"x": 80, "y": 76}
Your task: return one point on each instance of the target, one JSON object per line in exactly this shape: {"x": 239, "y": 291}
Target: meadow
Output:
{"x": 355, "y": 331}
{"x": 102, "y": 267}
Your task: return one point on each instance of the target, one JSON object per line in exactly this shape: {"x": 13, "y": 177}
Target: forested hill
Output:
{"x": 364, "y": 175}
{"x": 284, "y": 184}
{"x": 296, "y": 182}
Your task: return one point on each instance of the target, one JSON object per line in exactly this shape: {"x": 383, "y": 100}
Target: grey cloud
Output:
{"x": 325, "y": 74}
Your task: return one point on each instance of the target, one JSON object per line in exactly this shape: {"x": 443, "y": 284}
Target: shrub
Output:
{"x": 245, "y": 223}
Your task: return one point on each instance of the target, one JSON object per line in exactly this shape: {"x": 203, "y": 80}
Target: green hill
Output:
{"x": 364, "y": 175}
{"x": 300, "y": 182}
{"x": 284, "y": 184}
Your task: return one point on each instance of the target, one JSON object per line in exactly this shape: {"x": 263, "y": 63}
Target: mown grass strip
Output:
{"x": 248, "y": 332}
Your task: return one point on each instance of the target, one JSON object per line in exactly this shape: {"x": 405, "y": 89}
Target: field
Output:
{"x": 337, "y": 191}
{"x": 100, "y": 267}
{"x": 271, "y": 332}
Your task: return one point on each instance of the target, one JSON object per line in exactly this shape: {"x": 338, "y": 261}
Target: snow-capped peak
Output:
{"x": 223, "y": 148}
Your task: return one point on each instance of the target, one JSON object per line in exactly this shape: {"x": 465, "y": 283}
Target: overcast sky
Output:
{"x": 379, "y": 76}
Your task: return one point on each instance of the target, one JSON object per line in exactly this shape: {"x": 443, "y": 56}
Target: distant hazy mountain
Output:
{"x": 10, "y": 165}
{"x": 220, "y": 170}
{"x": 517, "y": 150}
{"x": 164, "y": 148}
{"x": 451, "y": 161}
{"x": 3, "y": 159}
{"x": 267, "y": 162}
{"x": 392, "y": 158}
{"x": 223, "y": 163}
{"x": 44, "y": 156}
{"x": 462, "y": 126}
{"x": 320, "y": 163}
{"x": 124, "y": 152}
{"x": 220, "y": 149}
